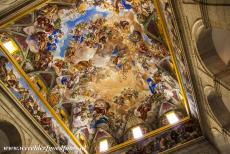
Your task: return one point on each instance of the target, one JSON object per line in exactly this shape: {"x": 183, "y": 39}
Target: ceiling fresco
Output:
{"x": 173, "y": 32}
{"x": 102, "y": 65}
{"x": 12, "y": 79}
{"x": 165, "y": 140}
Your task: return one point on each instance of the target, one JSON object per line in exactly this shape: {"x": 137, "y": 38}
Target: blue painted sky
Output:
{"x": 86, "y": 16}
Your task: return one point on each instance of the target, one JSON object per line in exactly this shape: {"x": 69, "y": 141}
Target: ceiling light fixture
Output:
{"x": 137, "y": 132}
{"x": 104, "y": 145}
{"x": 172, "y": 117}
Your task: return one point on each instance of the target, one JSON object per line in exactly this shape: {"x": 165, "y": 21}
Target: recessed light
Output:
{"x": 137, "y": 132}
{"x": 172, "y": 117}
{"x": 104, "y": 145}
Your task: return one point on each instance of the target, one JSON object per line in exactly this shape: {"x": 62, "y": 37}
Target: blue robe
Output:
{"x": 152, "y": 85}
{"x": 126, "y": 5}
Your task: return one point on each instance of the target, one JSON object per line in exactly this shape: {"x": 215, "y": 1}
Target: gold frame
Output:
{"x": 166, "y": 35}
{"x": 171, "y": 50}
{"x": 148, "y": 135}
{"x": 8, "y": 21}
{"x": 43, "y": 100}
{"x": 179, "y": 78}
{"x": 6, "y": 89}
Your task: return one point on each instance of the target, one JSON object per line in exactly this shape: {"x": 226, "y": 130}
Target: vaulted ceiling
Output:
{"x": 103, "y": 66}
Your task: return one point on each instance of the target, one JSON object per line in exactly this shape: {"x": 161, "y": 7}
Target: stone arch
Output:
{"x": 217, "y": 107}
{"x": 213, "y": 45}
{"x": 7, "y": 122}
{"x": 10, "y": 136}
